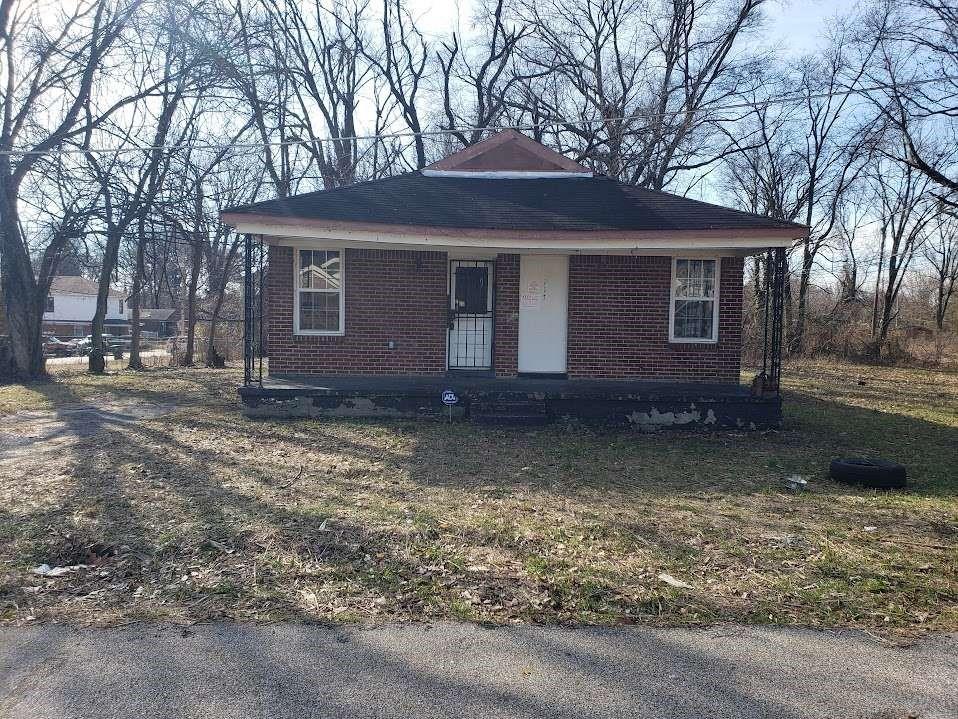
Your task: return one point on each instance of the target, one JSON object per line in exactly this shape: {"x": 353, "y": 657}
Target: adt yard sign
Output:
{"x": 449, "y": 398}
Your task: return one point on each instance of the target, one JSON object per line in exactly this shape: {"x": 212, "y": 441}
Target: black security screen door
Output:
{"x": 470, "y": 314}
{"x": 472, "y": 286}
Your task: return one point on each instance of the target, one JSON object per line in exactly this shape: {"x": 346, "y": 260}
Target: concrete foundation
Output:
{"x": 645, "y": 406}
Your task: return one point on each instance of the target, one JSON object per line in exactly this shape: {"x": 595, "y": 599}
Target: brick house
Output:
{"x": 504, "y": 261}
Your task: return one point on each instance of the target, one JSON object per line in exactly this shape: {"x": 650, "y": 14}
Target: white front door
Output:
{"x": 543, "y": 310}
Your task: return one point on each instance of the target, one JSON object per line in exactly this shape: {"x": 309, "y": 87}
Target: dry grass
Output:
{"x": 202, "y": 514}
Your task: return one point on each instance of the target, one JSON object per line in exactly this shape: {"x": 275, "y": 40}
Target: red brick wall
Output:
{"x": 507, "y": 316}
{"x": 618, "y": 319}
{"x": 390, "y": 295}
{"x": 619, "y": 322}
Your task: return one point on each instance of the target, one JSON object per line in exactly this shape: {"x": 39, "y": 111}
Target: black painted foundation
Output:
{"x": 647, "y": 406}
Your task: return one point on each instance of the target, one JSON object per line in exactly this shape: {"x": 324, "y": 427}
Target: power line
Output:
{"x": 489, "y": 128}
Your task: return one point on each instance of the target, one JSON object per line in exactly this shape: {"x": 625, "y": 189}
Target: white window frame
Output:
{"x": 342, "y": 293}
{"x": 715, "y": 301}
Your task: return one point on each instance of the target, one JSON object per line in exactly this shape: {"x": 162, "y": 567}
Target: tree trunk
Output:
{"x": 138, "y": 276}
{"x": 211, "y": 343}
{"x": 877, "y": 301}
{"x": 24, "y": 299}
{"x": 797, "y": 339}
{"x": 195, "y": 263}
{"x": 787, "y": 309}
{"x": 940, "y": 306}
{"x": 97, "y": 353}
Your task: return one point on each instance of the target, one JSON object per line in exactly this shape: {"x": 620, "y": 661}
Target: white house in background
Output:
{"x": 71, "y": 305}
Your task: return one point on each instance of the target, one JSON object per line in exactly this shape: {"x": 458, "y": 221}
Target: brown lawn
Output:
{"x": 182, "y": 510}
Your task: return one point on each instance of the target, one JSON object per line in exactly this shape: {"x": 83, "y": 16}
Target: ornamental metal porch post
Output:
{"x": 776, "y": 266}
{"x": 249, "y": 312}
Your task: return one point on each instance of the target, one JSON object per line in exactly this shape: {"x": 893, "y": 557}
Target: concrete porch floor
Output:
{"x": 479, "y": 384}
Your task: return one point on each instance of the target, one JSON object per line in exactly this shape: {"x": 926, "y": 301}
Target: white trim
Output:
{"x": 277, "y": 233}
{"x": 715, "y": 302}
{"x": 505, "y": 174}
{"x": 297, "y": 332}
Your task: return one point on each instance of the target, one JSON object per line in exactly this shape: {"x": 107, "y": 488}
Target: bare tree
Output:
{"x": 905, "y": 210}
{"x": 402, "y": 60}
{"x": 321, "y": 54}
{"x": 809, "y": 154}
{"x": 918, "y": 70}
{"x": 129, "y": 183}
{"x": 236, "y": 183}
{"x": 486, "y": 78}
{"x": 941, "y": 253}
{"x": 645, "y": 81}
{"x": 51, "y": 58}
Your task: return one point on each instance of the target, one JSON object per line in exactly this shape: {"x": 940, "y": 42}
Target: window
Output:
{"x": 319, "y": 293}
{"x": 694, "y": 310}
{"x": 472, "y": 290}
{"x": 120, "y": 307}
{"x": 49, "y": 304}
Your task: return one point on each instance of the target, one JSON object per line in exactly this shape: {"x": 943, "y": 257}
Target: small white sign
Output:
{"x": 449, "y": 397}
{"x": 531, "y": 297}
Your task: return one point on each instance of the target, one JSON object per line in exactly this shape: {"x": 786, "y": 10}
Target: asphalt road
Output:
{"x": 459, "y": 670}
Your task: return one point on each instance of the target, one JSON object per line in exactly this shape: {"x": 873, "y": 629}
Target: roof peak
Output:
{"x": 507, "y": 153}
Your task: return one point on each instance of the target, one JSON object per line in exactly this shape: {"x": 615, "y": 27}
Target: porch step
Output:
{"x": 515, "y": 413}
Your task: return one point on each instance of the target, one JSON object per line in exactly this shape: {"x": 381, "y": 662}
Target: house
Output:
{"x": 518, "y": 279}
{"x": 71, "y": 304}
{"x": 160, "y": 322}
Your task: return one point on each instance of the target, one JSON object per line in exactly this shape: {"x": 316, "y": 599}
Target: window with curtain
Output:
{"x": 319, "y": 292}
{"x": 694, "y": 300}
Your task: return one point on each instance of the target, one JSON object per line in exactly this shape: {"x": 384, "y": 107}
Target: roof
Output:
{"x": 76, "y": 285}
{"x": 157, "y": 314}
{"x": 584, "y": 203}
{"x": 508, "y": 150}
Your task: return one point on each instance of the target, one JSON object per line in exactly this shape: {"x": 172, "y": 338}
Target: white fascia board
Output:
{"x": 505, "y": 174}
{"x": 277, "y": 233}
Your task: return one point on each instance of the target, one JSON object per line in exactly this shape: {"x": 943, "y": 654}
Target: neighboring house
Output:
{"x": 505, "y": 261}
{"x": 161, "y": 322}
{"x": 71, "y": 304}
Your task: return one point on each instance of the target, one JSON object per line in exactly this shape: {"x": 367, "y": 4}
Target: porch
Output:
{"x": 646, "y": 405}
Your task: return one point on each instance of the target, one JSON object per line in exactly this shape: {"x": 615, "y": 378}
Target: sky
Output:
{"x": 796, "y": 26}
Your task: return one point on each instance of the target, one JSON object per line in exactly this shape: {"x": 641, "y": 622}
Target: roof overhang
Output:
{"x": 284, "y": 230}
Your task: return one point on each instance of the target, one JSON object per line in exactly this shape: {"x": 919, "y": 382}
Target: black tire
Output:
{"x": 875, "y": 473}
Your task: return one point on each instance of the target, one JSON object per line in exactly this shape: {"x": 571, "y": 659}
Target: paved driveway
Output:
{"x": 453, "y": 670}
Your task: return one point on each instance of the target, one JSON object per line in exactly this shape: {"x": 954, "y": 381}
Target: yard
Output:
{"x": 177, "y": 509}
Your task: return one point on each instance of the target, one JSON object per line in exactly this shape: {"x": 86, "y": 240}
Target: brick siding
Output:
{"x": 619, "y": 322}
{"x": 507, "y": 316}
{"x": 391, "y": 295}
{"x": 618, "y": 319}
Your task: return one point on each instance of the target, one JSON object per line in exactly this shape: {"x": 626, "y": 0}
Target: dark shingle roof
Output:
{"x": 551, "y": 204}
{"x": 76, "y": 285}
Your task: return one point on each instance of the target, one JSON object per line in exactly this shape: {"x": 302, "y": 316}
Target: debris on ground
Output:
{"x": 673, "y": 582}
{"x": 45, "y": 570}
{"x": 796, "y": 483}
